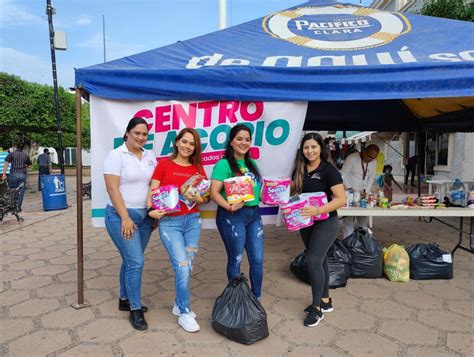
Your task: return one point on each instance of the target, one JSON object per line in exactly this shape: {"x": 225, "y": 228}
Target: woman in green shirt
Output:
{"x": 239, "y": 224}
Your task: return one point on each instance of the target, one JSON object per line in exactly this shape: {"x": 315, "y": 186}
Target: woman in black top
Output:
{"x": 314, "y": 173}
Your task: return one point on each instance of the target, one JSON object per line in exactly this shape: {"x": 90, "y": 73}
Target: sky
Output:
{"x": 131, "y": 26}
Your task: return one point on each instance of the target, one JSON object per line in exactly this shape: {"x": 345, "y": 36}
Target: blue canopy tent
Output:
{"x": 360, "y": 68}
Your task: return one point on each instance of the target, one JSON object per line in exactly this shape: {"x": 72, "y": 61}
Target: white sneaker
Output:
{"x": 188, "y": 323}
{"x": 177, "y": 312}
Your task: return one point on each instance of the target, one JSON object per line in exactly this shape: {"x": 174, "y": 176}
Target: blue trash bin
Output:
{"x": 53, "y": 190}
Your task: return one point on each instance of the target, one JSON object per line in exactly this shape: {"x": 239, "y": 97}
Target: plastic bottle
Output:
{"x": 457, "y": 194}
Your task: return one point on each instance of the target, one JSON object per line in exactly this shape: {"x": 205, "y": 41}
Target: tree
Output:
{"x": 449, "y": 9}
{"x": 27, "y": 114}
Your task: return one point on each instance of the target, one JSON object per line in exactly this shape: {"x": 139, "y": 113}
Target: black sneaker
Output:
{"x": 124, "y": 305}
{"x": 326, "y": 306}
{"x": 137, "y": 319}
{"x": 313, "y": 316}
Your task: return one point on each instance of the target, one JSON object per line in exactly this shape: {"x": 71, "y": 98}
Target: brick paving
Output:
{"x": 372, "y": 317}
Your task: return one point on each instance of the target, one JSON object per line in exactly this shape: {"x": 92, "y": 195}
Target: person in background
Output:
{"x": 180, "y": 232}
{"x": 410, "y": 169}
{"x": 380, "y": 162}
{"x": 127, "y": 173}
{"x": 313, "y": 172}
{"x": 3, "y": 154}
{"x": 20, "y": 162}
{"x": 388, "y": 179}
{"x": 358, "y": 173}
{"x": 239, "y": 224}
{"x": 44, "y": 166}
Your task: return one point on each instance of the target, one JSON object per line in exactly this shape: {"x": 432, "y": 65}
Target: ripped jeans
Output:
{"x": 180, "y": 237}
{"x": 239, "y": 230}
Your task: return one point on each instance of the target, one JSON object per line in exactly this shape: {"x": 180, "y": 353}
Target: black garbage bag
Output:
{"x": 366, "y": 253}
{"x": 339, "y": 261}
{"x": 428, "y": 261}
{"x": 299, "y": 267}
{"x": 238, "y": 315}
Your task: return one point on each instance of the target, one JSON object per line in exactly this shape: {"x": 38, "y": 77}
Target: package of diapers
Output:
{"x": 317, "y": 199}
{"x": 292, "y": 217}
{"x": 276, "y": 191}
{"x": 166, "y": 198}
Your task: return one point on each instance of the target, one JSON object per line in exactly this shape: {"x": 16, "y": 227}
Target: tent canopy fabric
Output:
{"x": 319, "y": 52}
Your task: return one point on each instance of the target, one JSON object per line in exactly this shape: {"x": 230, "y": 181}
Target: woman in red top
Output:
{"x": 180, "y": 232}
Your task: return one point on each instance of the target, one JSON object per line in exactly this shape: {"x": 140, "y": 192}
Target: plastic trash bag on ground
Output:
{"x": 428, "y": 261}
{"x": 339, "y": 260}
{"x": 396, "y": 263}
{"x": 366, "y": 253}
{"x": 238, "y": 315}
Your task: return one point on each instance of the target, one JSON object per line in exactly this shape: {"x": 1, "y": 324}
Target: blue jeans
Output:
{"x": 131, "y": 251}
{"x": 43, "y": 170}
{"x": 239, "y": 230}
{"x": 14, "y": 181}
{"x": 180, "y": 237}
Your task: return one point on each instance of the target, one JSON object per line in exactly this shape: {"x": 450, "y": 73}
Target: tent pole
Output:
{"x": 418, "y": 160}
{"x": 80, "y": 246}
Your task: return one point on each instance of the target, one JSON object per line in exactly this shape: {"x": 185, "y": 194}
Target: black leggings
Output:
{"x": 318, "y": 239}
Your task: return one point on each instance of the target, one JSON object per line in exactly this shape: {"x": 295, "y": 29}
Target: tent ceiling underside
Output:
{"x": 391, "y": 115}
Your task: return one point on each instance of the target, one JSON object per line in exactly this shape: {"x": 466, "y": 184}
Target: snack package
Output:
{"x": 317, "y": 199}
{"x": 275, "y": 191}
{"x": 195, "y": 184}
{"x": 166, "y": 198}
{"x": 292, "y": 217}
{"x": 239, "y": 188}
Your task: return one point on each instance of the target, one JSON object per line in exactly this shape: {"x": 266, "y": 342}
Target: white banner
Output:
{"x": 276, "y": 130}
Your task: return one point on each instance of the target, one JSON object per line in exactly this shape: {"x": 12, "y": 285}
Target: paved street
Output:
{"x": 372, "y": 317}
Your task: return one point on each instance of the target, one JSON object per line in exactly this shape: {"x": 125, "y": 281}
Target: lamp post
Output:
{"x": 50, "y": 12}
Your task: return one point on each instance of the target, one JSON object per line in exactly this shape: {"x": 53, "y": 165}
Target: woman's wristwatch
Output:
{"x": 149, "y": 209}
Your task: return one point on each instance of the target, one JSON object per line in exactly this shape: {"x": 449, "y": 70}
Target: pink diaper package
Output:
{"x": 317, "y": 199}
{"x": 291, "y": 215}
{"x": 276, "y": 191}
{"x": 166, "y": 198}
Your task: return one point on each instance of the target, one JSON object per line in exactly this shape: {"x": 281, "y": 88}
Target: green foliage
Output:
{"x": 449, "y": 9}
{"x": 27, "y": 114}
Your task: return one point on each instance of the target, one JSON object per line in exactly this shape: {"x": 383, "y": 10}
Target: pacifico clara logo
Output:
{"x": 339, "y": 27}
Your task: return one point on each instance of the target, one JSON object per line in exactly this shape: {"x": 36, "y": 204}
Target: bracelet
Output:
{"x": 149, "y": 209}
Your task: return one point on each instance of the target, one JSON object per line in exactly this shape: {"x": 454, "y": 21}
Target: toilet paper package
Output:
{"x": 276, "y": 191}
{"x": 166, "y": 198}
{"x": 238, "y": 189}
{"x": 292, "y": 215}
{"x": 317, "y": 199}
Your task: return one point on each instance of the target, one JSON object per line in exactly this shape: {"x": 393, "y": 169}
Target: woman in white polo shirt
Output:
{"x": 127, "y": 172}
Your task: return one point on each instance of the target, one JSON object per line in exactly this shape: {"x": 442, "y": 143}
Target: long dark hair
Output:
{"x": 132, "y": 124}
{"x": 301, "y": 161}
{"x": 229, "y": 153}
{"x": 195, "y": 158}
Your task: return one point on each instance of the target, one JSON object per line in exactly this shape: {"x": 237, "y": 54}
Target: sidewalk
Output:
{"x": 372, "y": 317}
